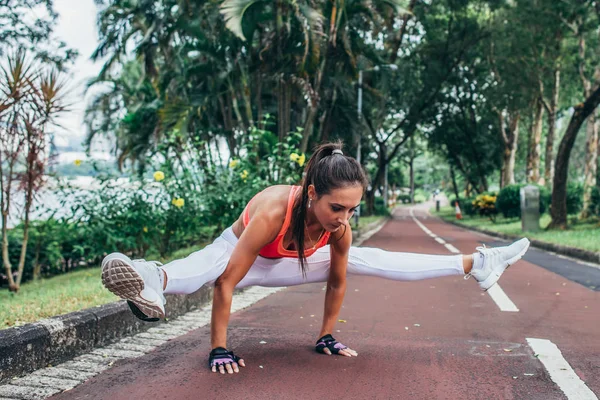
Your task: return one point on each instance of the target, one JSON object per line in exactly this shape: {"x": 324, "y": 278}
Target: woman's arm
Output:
{"x": 261, "y": 230}
{"x": 336, "y": 284}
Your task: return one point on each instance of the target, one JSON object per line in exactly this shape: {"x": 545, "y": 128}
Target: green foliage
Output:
{"x": 595, "y": 203}
{"x": 181, "y": 206}
{"x": 485, "y": 205}
{"x": 509, "y": 200}
{"x": 574, "y": 198}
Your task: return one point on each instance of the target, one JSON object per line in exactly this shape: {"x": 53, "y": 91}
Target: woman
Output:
{"x": 281, "y": 227}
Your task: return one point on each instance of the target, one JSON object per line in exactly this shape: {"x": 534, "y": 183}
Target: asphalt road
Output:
{"x": 432, "y": 339}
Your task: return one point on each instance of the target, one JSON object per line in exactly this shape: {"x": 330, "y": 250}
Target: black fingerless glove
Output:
{"x": 221, "y": 356}
{"x": 329, "y": 342}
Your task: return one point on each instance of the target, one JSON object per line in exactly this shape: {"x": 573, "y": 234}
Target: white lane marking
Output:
{"x": 501, "y": 299}
{"x": 498, "y": 295}
{"x": 560, "y": 371}
{"x": 451, "y": 248}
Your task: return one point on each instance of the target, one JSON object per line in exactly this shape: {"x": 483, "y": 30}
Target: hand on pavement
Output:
{"x": 328, "y": 345}
{"x": 221, "y": 360}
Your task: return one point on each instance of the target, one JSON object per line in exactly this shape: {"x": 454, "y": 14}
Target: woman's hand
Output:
{"x": 222, "y": 360}
{"x": 328, "y": 345}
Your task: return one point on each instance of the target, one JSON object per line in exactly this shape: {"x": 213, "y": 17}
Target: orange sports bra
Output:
{"x": 275, "y": 249}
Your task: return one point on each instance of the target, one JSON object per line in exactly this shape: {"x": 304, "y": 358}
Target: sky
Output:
{"x": 77, "y": 27}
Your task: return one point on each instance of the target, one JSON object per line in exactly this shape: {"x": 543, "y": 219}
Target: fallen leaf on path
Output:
{"x": 508, "y": 350}
{"x": 417, "y": 324}
{"x": 262, "y": 342}
{"x": 342, "y": 320}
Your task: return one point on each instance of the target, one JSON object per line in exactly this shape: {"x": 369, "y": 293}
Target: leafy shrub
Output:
{"x": 485, "y": 205}
{"x": 595, "y": 202}
{"x": 574, "y": 198}
{"x": 509, "y": 200}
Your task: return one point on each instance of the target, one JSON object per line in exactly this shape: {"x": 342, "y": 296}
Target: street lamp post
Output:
{"x": 376, "y": 68}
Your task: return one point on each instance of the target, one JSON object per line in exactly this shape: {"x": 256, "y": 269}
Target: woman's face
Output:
{"x": 336, "y": 208}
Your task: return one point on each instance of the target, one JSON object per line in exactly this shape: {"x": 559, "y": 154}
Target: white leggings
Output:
{"x": 205, "y": 266}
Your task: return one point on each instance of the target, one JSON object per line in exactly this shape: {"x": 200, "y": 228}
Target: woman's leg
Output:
{"x": 202, "y": 267}
{"x": 403, "y": 266}
{"x": 144, "y": 283}
{"x": 485, "y": 266}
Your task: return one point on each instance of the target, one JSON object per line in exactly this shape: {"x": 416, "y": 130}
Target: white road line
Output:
{"x": 501, "y": 299}
{"x": 496, "y": 293}
{"x": 451, "y": 248}
{"x": 560, "y": 371}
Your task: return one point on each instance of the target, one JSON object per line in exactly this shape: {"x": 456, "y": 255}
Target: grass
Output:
{"x": 60, "y": 294}
{"x": 581, "y": 234}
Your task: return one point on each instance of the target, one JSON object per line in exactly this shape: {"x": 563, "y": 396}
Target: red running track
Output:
{"x": 457, "y": 351}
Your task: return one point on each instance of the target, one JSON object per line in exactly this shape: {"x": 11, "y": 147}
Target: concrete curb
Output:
{"x": 573, "y": 252}
{"x": 51, "y": 341}
{"x": 32, "y": 346}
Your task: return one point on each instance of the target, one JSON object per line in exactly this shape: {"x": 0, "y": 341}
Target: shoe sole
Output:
{"x": 124, "y": 281}
{"x": 491, "y": 280}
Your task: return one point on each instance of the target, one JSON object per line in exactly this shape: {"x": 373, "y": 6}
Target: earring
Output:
{"x": 309, "y": 200}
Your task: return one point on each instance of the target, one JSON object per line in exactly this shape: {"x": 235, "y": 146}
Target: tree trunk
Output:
{"x": 534, "y": 150}
{"x": 591, "y": 161}
{"x": 552, "y": 109}
{"x": 283, "y": 108}
{"x": 510, "y": 139}
{"x": 454, "y": 186}
{"x": 558, "y": 211}
{"x": 412, "y": 177}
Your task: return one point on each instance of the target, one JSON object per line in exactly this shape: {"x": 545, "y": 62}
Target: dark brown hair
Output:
{"x": 326, "y": 171}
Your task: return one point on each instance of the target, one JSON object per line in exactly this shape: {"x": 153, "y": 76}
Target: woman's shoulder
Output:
{"x": 271, "y": 202}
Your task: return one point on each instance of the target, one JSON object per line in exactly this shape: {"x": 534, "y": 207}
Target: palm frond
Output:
{"x": 233, "y": 12}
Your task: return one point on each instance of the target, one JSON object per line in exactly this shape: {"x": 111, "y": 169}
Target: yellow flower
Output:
{"x": 301, "y": 159}
{"x": 298, "y": 158}
{"x": 159, "y": 176}
{"x": 145, "y": 229}
{"x": 244, "y": 174}
{"x": 179, "y": 202}
{"x": 77, "y": 162}
{"x": 233, "y": 163}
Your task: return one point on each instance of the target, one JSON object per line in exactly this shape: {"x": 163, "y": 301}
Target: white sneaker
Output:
{"x": 495, "y": 261}
{"x": 138, "y": 282}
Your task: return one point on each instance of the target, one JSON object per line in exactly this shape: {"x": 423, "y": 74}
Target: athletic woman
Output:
{"x": 289, "y": 235}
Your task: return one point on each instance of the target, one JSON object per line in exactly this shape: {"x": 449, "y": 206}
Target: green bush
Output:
{"x": 484, "y": 204}
{"x": 595, "y": 203}
{"x": 466, "y": 205}
{"x": 509, "y": 200}
{"x": 574, "y": 198}
{"x": 182, "y": 205}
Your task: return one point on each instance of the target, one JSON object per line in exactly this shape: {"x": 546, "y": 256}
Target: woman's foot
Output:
{"x": 138, "y": 282}
{"x": 490, "y": 263}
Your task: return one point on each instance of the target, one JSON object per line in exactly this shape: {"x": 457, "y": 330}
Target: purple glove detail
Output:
{"x": 329, "y": 342}
{"x": 220, "y": 356}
